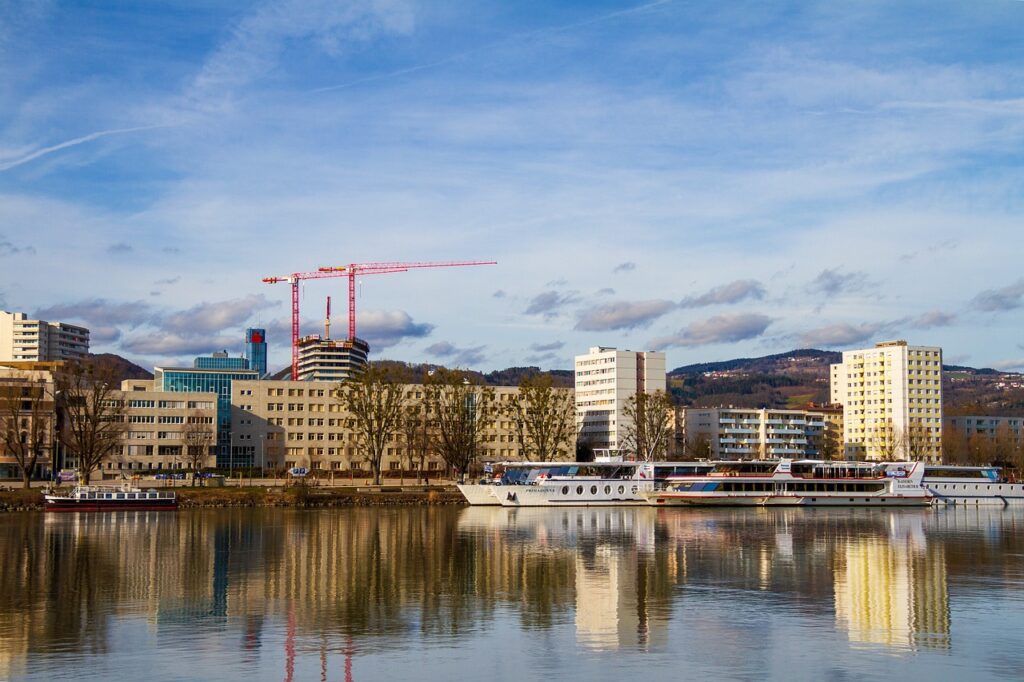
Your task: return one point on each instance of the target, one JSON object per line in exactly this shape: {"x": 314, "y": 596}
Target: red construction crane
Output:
{"x": 294, "y": 280}
{"x": 353, "y": 270}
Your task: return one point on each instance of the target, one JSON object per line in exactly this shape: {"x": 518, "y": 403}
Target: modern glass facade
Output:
{"x": 256, "y": 349}
{"x": 220, "y": 361}
{"x": 197, "y": 379}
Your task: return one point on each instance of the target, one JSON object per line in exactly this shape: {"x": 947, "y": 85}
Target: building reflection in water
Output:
{"x": 892, "y": 590}
{"x": 335, "y": 587}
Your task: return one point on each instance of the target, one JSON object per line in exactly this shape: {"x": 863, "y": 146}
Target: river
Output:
{"x": 443, "y": 593}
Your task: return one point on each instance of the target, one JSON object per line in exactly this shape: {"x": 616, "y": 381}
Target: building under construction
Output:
{"x": 325, "y": 359}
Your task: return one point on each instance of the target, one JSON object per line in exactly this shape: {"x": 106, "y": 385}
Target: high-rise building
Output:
{"x": 25, "y": 340}
{"x": 323, "y": 359}
{"x": 892, "y": 401}
{"x": 256, "y": 350}
{"x": 606, "y": 378}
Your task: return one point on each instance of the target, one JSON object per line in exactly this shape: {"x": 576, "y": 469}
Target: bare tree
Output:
{"x": 648, "y": 421}
{"x": 544, "y": 419}
{"x": 374, "y": 400}
{"x": 885, "y": 440}
{"x": 27, "y": 417}
{"x": 917, "y": 442}
{"x": 93, "y": 415}
{"x": 980, "y": 449}
{"x": 199, "y": 437}
{"x": 460, "y": 412}
{"x": 697, "y": 446}
{"x": 1003, "y": 444}
{"x": 954, "y": 445}
{"x": 415, "y": 431}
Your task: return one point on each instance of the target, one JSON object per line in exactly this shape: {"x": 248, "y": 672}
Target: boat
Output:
{"x": 983, "y": 485}
{"x": 607, "y": 482}
{"x": 88, "y": 498}
{"x": 789, "y": 482}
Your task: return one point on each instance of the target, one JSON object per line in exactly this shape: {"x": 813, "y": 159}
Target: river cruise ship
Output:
{"x": 87, "y": 498}
{"x": 609, "y": 482}
{"x": 972, "y": 485}
{"x": 797, "y": 483}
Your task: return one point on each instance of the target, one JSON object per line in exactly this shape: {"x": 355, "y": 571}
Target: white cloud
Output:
{"x": 731, "y": 328}
{"x": 622, "y": 315}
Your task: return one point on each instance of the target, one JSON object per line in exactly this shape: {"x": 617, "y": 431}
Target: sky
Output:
{"x": 714, "y": 180}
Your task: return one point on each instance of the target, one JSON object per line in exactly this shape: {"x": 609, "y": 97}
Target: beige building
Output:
{"x": 744, "y": 433}
{"x": 25, "y": 340}
{"x": 284, "y": 424}
{"x": 27, "y": 400}
{"x": 892, "y": 401}
{"x": 606, "y": 378}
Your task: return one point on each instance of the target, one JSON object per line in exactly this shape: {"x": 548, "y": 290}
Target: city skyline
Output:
{"x": 711, "y": 181}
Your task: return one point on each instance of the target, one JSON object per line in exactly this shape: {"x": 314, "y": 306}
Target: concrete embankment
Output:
{"x": 292, "y": 496}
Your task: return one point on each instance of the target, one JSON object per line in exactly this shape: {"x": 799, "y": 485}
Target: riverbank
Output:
{"x": 270, "y": 496}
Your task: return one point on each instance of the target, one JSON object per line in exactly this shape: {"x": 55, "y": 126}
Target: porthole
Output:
{"x": 579, "y": 490}
{"x": 593, "y": 490}
{"x": 565, "y": 490}
{"x": 607, "y": 490}
{"x": 621, "y": 489}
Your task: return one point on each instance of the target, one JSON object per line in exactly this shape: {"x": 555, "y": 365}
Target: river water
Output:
{"x": 513, "y": 594}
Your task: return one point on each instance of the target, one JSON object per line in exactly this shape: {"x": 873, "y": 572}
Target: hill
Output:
{"x": 119, "y": 367}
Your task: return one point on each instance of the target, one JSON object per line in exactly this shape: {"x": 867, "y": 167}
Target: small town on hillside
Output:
{"x": 226, "y": 413}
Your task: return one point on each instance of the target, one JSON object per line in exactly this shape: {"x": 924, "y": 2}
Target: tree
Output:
{"x": 93, "y": 423}
{"x": 199, "y": 437}
{"x": 415, "y": 431}
{"x": 697, "y": 446}
{"x": 544, "y": 419}
{"x": 460, "y": 411}
{"x": 917, "y": 442}
{"x": 884, "y": 440}
{"x": 27, "y": 418}
{"x": 374, "y": 399}
{"x": 647, "y": 424}
{"x": 954, "y": 445}
{"x": 980, "y": 449}
{"x": 1004, "y": 444}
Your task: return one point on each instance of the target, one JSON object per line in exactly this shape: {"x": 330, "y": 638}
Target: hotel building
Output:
{"x": 606, "y": 378}
{"x": 892, "y": 401}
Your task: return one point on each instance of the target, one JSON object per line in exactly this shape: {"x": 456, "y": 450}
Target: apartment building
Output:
{"x": 742, "y": 433}
{"x": 987, "y": 426}
{"x": 606, "y": 378}
{"x": 892, "y": 401}
{"x": 26, "y": 340}
{"x": 283, "y": 424}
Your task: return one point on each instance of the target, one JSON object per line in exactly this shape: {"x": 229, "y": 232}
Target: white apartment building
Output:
{"x": 25, "y": 340}
{"x": 745, "y": 433}
{"x": 323, "y": 359}
{"x": 605, "y": 380}
{"x": 892, "y": 401}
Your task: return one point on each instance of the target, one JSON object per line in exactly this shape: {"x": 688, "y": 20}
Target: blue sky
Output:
{"x": 712, "y": 179}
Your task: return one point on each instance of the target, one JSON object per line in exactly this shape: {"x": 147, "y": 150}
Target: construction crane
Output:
{"x": 353, "y": 270}
{"x": 294, "y": 279}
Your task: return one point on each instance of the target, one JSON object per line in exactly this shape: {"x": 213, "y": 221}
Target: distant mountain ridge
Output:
{"x": 802, "y": 359}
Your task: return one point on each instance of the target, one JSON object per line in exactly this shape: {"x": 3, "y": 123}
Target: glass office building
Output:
{"x": 220, "y": 360}
{"x": 256, "y": 349}
{"x": 213, "y": 380}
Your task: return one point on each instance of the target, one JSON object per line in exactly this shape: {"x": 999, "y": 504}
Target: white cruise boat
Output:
{"x": 795, "y": 483}
{"x": 971, "y": 485}
{"x": 609, "y": 482}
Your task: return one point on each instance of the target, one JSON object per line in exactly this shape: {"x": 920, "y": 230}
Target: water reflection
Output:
{"x": 348, "y": 594}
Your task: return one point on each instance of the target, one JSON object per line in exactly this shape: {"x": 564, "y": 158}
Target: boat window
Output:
{"x": 622, "y": 489}
{"x": 565, "y": 490}
{"x": 607, "y": 490}
{"x": 579, "y": 490}
{"x": 593, "y": 490}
